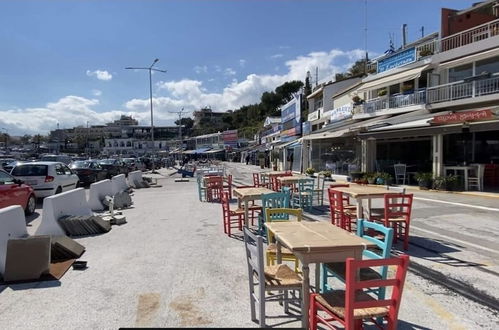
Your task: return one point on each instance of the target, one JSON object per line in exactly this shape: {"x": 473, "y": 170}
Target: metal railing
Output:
{"x": 463, "y": 89}
{"x": 469, "y": 36}
{"x": 393, "y": 102}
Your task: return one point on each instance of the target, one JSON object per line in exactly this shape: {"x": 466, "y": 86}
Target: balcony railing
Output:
{"x": 463, "y": 89}
{"x": 393, "y": 102}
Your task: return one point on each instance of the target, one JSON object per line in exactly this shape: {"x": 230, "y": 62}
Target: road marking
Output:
{"x": 459, "y": 204}
{"x": 454, "y": 239}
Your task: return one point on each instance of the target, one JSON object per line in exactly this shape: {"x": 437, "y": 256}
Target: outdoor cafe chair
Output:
{"x": 305, "y": 195}
{"x": 228, "y": 187}
{"x": 214, "y": 188}
{"x": 399, "y": 170}
{"x": 279, "y": 215}
{"x": 340, "y": 216}
{"x": 275, "y": 183}
{"x": 201, "y": 188}
{"x": 277, "y": 283}
{"x": 319, "y": 189}
{"x": 375, "y": 233}
{"x": 352, "y": 307}
{"x": 475, "y": 179}
{"x": 346, "y": 198}
{"x": 231, "y": 218}
{"x": 378, "y": 212}
{"x": 397, "y": 215}
{"x": 257, "y": 183}
{"x": 275, "y": 200}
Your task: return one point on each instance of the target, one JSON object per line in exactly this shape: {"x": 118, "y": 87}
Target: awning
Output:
{"x": 393, "y": 79}
{"x": 214, "y": 151}
{"x": 315, "y": 93}
{"x": 327, "y": 134}
{"x": 470, "y": 58}
{"x": 344, "y": 130}
{"x": 287, "y": 144}
{"x": 197, "y": 151}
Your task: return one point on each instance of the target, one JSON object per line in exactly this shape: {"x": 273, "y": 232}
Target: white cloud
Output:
{"x": 100, "y": 74}
{"x": 276, "y": 56}
{"x": 200, "y": 69}
{"x": 242, "y": 63}
{"x": 96, "y": 92}
{"x": 229, "y": 72}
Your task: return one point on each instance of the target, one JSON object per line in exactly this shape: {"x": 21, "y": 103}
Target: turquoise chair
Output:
{"x": 384, "y": 246}
{"x": 201, "y": 188}
{"x": 304, "y": 197}
{"x": 277, "y": 200}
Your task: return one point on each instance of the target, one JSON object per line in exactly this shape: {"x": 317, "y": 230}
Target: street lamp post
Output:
{"x": 150, "y": 69}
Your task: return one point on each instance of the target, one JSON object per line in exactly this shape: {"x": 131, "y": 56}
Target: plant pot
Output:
{"x": 371, "y": 181}
{"x": 380, "y": 181}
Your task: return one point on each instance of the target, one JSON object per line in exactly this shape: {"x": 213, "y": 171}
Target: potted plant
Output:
{"x": 424, "y": 179}
{"x": 384, "y": 178}
{"x": 327, "y": 175}
{"x": 425, "y": 52}
{"x": 356, "y": 176}
{"x": 310, "y": 171}
{"x": 371, "y": 178}
{"x": 357, "y": 100}
{"x": 439, "y": 183}
{"x": 261, "y": 159}
{"x": 382, "y": 92}
{"x": 451, "y": 182}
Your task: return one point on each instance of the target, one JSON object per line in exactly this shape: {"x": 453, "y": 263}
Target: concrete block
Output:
{"x": 118, "y": 183}
{"x": 73, "y": 203}
{"x": 12, "y": 225}
{"x": 98, "y": 192}
{"x": 27, "y": 258}
{"x": 135, "y": 178}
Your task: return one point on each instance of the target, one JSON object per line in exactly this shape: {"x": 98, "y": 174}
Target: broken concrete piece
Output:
{"x": 27, "y": 258}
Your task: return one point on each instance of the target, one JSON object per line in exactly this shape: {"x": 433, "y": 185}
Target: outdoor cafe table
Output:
{"x": 362, "y": 192}
{"x": 266, "y": 176}
{"x": 290, "y": 180}
{"x": 315, "y": 242}
{"x": 250, "y": 194}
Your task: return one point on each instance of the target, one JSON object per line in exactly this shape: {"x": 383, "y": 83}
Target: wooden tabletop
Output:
{"x": 309, "y": 237}
{"x": 273, "y": 173}
{"x": 292, "y": 179}
{"x": 251, "y": 192}
{"x": 357, "y": 190}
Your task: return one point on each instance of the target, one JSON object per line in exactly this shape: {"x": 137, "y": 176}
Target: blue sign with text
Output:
{"x": 402, "y": 58}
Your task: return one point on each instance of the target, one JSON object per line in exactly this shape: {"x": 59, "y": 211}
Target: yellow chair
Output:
{"x": 279, "y": 215}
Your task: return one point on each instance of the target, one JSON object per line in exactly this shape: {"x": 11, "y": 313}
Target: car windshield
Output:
{"x": 30, "y": 170}
{"x": 49, "y": 159}
{"x": 81, "y": 164}
{"x": 107, "y": 161}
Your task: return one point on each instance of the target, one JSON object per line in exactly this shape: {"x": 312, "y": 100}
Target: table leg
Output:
{"x": 465, "y": 179}
{"x": 306, "y": 294}
{"x": 317, "y": 277}
{"x": 368, "y": 208}
{"x": 360, "y": 211}
{"x": 278, "y": 254}
{"x": 246, "y": 214}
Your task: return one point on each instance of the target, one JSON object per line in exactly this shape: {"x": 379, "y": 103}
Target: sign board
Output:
{"x": 290, "y": 117}
{"x": 461, "y": 117}
{"x": 305, "y": 128}
{"x": 398, "y": 59}
{"x": 313, "y": 116}
{"x": 230, "y": 138}
{"x": 343, "y": 112}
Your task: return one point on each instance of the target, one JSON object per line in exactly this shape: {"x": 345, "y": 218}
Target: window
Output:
{"x": 30, "y": 170}
{"x": 489, "y": 65}
{"x": 59, "y": 170}
{"x": 5, "y": 178}
{"x": 460, "y": 72}
{"x": 67, "y": 170}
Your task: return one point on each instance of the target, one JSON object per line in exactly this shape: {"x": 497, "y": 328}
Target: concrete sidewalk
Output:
{"x": 171, "y": 265}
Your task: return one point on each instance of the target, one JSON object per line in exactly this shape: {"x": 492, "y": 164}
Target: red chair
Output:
{"x": 214, "y": 188}
{"x": 257, "y": 183}
{"x": 350, "y": 307}
{"x": 228, "y": 187}
{"x": 346, "y": 198}
{"x": 231, "y": 218}
{"x": 398, "y": 208}
{"x": 253, "y": 208}
{"x": 340, "y": 216}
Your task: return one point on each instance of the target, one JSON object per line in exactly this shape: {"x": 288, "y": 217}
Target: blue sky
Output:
{"x": 63, "y": 61}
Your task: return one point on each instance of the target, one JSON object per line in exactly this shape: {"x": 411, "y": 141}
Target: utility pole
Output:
{"x": 179, "y": 124}
{"x": 86, "y": 143}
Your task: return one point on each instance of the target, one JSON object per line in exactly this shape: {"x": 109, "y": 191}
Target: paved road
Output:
{"x": 172, "y": 266}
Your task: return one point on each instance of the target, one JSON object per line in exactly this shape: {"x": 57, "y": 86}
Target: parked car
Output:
{"x": 56, "y": 158}
{"x": 14, "y": 192}
{"x": 9, "y": 166}
{"x": 131, "y": 163}
{"x": 5, "y": 161}
{"x": 46, "y": 178}
{"x": 113, "y": 167}
{"x": 88, "y": 171}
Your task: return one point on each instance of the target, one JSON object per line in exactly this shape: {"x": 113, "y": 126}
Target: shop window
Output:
{"x": 394, "y": 89}
{"x": 460, "y": 72}
{"x": 489, "y": 65}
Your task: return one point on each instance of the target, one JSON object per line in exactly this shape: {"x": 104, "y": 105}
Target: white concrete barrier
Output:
{"x": 98, "y": 191}
{"x": 12, "y": 225}
{"x": 134, "y": 178}
{"x": 73, "y": 202}
{"x": 118, "y": 183}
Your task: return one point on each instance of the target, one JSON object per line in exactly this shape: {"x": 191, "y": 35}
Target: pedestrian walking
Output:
{"x": 247, "y": 159}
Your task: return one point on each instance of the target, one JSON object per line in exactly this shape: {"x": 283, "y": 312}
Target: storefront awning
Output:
{"x": 393, "y": 79}
{"x": 327, "y": 134}
{"x": 214, "y": 151}
{"x": 470, "y": 58}
{"x": 197, "y": 151}
{"x": 344, "y": 130}
{"x": 288, "y": 144}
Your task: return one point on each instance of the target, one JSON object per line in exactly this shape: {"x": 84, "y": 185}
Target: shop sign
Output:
{"x": 230, "y": 137}
{"x": 305, "y": 128}
{"x": 292, "y": 132}
{"x": 461, "y": 117}
{"x": 292, "y": 110}
{"x": 399, "y": 59}
{"x": 341, "y": 113}
{"x": 313, "y": 116}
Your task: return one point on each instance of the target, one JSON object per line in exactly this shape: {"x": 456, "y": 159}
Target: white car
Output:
{"x": 46, "y": 178}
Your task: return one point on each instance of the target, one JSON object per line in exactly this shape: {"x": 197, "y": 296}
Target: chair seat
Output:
{"x": 350, "y": 207}
{"x": 281, "y": 275}
{"x": 237, "y": 211}
{"x": 339, "y": 268}
{"x": 397, "y": 219}
{"x": 349, "y": 212}
{"x": 272, "y": 247}
{"x": 335, "y": 302}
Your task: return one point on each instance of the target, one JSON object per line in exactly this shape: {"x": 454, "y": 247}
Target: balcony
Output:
{"x": 464, "y": 89}
{"x": 396, "y": 101}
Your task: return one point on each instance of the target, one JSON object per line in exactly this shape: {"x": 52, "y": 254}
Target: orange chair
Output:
{"x": 231, "y": 217}
{"x": 340, "y": 216}
{"x": 350, "y": 307}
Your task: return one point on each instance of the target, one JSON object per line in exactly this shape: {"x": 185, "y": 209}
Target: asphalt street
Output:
{"x": 171, "y": 265}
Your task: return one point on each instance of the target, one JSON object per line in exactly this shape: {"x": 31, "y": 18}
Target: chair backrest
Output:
{"x": 398, "y": 205}
{"x": 306, "y": 185}
{"x": 399, "y": 169}
{"x": 224, "y": 199}
{"x": 400, "y": 190}
{"x": 353, "y": 285}
{"x": 287, "y": 190}
{"x": 384, "y": 244}
{"x": 336, "y": 202}
{"x": 275, "y": 200}
{"x": 256, "y": 179}
{"x": 229, "y": 180}
{"x": 214, "y": 182}
{"x": 321, "y": 179}
{"x": 253, "y": 245}
{"x": 279, "y": 215}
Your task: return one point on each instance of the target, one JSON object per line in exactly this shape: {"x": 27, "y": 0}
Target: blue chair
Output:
{"x": 303, "y": 198}
{"x": 384, "y": 246}
{"x": 201, "y": 188}
{"x": 277, "y": 200}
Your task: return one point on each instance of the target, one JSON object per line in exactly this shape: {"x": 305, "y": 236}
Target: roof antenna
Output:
{"x": 365, "y": 35}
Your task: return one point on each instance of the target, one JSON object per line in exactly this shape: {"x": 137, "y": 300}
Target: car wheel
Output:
{"x": 58, "y": 190}
{"x": 30, "y": 205}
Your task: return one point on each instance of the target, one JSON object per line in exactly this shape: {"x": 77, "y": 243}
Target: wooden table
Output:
{"x": 250, "y": 194}
{"x": 290, "y": 180}
{"x": 362, "y": 192}
{"x": 316, "y": 242}
{"x": 267, "y": 176}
